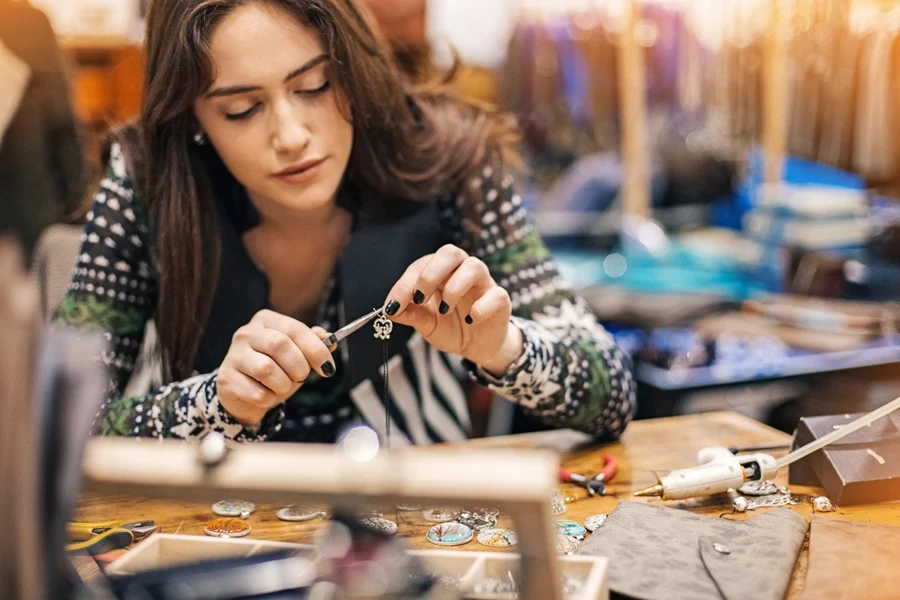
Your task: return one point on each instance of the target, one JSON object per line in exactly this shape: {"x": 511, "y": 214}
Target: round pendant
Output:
{"x": 485, "y": 511}
{"x": 498, "y": 538}
{"x": 566, "y": 544}
{"x": 558, "y": 504}
{"x": 440, "y": 515}
{"x": 227, "y": 528}
{"x": 759, "y": 488}
{"x": 449, "y": 534}
{"x": 234, "y": 508}
{"x": 569, "y": 528}
{"x": 594, "y": 522}
{"x": 301, "y": 512}
{"x": 823, "y": 504}
{"x": 385, "y": 526}
{"x": 476, "y": 521}
{"x": 409, "y": 507}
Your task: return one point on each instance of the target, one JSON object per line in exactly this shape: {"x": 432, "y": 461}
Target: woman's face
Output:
{"x": 272, "y": 112}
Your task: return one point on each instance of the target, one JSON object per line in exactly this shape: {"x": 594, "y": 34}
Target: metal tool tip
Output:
{"x": 653, "y": 490}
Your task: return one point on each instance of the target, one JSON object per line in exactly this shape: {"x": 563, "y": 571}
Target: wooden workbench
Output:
{"x": 647, "y": 447}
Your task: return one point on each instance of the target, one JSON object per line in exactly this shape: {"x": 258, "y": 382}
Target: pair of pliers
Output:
{"x": 102, "y": 537}
{"x": 610, "y": 468}
{"x": 596, "y": 484}
{"x": 80, "y": 531}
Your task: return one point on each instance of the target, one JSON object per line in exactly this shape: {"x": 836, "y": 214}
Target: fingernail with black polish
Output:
{"x": 392, "y": 308}
{"x": 444, "y": 308}
{"x": 328, "y": 369}
{"x": 469, "y": 319}
{"x": 418, "y": 297}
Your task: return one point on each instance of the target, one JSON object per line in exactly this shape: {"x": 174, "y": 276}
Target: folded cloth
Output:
{"x": 850, "y": 559}
{"x": 663, "y": 553}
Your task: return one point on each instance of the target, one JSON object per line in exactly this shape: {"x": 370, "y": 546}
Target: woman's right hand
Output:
{"x": 269, "y": 359}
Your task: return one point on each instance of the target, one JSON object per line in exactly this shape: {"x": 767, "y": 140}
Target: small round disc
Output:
{"x": 449, "y": 534}
{"x": 383, "y": 525}
{"x": 558, "y": 504}
{"x": 233, "y": 508}
{"x": 593, "y": 522}
{"x": 566, "y": 544}
{"x": 300, "y": 512}
{"x": 758, "y": 488}
{"x": 569, "y": 528}
{"x": 498, "y": 538}
{"x": 487, "y": 511}
{"x": 227, "y": 528}
{"x": 440, "y": 515}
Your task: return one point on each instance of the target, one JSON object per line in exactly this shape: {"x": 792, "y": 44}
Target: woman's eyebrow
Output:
{"x": 243, "y": 89}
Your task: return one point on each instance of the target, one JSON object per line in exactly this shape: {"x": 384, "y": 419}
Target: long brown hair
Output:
{"x": 410, "y": 143}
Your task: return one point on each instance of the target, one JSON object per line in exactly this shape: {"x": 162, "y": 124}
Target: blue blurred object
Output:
{"x": 796, "y": 171}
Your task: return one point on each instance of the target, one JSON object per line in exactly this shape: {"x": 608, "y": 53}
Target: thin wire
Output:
{"x": 387, "y": 397}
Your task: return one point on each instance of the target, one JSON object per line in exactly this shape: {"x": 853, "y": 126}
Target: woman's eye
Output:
{"x": 322, "y": 88}
{"x": 241, "y": 116}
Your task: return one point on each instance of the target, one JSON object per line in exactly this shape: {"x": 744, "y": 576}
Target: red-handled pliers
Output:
{"x": 610, "y": 468}
{"x": 590, "y": 485}
{"x": 596, "y": 484}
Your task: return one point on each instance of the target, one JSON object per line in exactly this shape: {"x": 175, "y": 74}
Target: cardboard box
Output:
{"x": 863, "y": 468}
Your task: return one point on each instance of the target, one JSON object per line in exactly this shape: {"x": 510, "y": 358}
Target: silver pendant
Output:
{"x": 383, "y": 327}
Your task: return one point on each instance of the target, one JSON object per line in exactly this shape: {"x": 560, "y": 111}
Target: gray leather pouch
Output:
{"x": 663, "y": 553}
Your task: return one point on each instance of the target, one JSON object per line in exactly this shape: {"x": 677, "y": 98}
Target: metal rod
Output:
{"x": 837, "y": 434}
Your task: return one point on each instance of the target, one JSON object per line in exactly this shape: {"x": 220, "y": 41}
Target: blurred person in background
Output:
{"x": 41, "y": 161}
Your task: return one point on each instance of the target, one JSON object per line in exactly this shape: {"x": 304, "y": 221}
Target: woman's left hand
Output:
{"x": 451, "y": 299}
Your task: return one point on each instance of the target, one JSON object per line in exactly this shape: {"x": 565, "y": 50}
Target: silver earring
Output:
{"x": 199, "y": 138}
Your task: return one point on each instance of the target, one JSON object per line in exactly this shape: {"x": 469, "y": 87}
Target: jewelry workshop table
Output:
{"x": 649, "y": 446}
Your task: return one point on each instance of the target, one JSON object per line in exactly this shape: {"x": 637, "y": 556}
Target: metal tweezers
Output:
{"x": 356, "y": 325}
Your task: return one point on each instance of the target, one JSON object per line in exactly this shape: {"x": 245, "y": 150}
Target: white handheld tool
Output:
{"x": 719, "y": 470}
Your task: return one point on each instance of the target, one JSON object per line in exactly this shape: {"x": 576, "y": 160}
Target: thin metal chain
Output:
{"x": 387, "y": 398}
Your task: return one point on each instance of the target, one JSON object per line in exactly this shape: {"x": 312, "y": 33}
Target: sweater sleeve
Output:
{"x": 572, "y": 374}
{"x": 114, "y": 290}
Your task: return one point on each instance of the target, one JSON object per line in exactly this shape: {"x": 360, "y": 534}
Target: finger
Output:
{"x": 265, "y": 370}
{"x": 494, "y": 303}
{"x": 437, "y": 271}
{"x": 282, "y": 349}
{"x": 401, "y": 295}
{"x": 423, "y": 319}
{"x": 472, "y": 275}
{"x": 251, "y": 393}
{"x": 322, "y": 335}
{"x": 316, "y": 353}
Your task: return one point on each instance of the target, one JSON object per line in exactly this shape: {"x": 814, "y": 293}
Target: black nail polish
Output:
{"x": 469, "y": 319}
{"x": 328, "y": 369}
{"x": 418, "y": 297}
{"x": 444, "y": 308}
{"x": 392, "y": 308}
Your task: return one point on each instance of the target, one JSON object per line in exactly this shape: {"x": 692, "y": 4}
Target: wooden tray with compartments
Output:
{"x": 461, "y": 569}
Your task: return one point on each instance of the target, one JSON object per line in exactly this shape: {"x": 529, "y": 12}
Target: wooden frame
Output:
{"x": 520, "y": 482}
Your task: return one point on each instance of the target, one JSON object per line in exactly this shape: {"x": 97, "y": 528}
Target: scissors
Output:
{"x": 345, "y": 331}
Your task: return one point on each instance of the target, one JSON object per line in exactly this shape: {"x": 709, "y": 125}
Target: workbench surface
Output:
{"x": 648, "y": 447}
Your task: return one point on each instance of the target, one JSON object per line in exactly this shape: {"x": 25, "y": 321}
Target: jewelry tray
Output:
{"x": 165, "y": 550}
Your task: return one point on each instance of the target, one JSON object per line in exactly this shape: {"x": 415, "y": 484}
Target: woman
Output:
{"x": 288, "y": 182}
